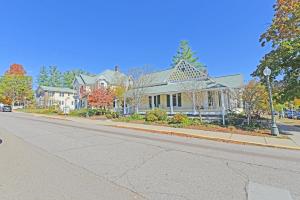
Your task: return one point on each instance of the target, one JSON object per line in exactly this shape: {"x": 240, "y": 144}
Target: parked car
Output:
{"x": 298, "y": 115}
{"x": 6, "y": 108}
{"x": 291, "y": 114}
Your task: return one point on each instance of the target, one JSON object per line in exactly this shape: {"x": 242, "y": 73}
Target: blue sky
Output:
{"x": 95, "y": 35}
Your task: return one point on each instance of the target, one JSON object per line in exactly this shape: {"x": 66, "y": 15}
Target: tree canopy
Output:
{"x": 284, "y": 58}
{"x": 52, "y": 76}
{"x": 15, "y": 86}
{"x": 185, "y": 52}
{"x": 101, "y": 98}
{"x": 16, "y": 69}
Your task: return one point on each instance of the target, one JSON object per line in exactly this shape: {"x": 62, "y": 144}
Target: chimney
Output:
{"x": 117, "y": 68}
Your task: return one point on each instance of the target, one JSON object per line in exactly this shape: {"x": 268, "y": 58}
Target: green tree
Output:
{"x": 43, "y": 77}
{"x": 185, "y": 52}
{"x": 55, "y": 77}
{"x": 284, "y": 58}
{"x": 16, "y": 88}
{"x": 255, "y": 97}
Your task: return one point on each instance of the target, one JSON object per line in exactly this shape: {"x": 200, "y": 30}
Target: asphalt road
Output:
{"x": 55, "y": 159}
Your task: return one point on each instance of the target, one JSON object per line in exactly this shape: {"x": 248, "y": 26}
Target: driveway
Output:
{"x": 56, "y": 159}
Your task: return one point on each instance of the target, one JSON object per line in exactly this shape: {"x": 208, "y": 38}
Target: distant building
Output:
{"x": 84, "y": 84}
{"x": 55, "y": 96}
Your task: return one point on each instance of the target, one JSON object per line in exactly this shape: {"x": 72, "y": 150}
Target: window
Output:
{"x": 210, "y": 98}
{"x": 72, "y": 103}
{"x": 174, "y": 99}
{"x": 62, "y": 103}
{"x": 220, "y": 98}
{"x": 168, "y": 100}
{"x": 179, "y": 99}
{"x": 150, "y": 101}
{"x": 158, "y": 101}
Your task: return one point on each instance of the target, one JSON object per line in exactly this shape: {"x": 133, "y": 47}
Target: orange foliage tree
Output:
{"x": 101, "y": 98}
{"x": 16, "y": 69}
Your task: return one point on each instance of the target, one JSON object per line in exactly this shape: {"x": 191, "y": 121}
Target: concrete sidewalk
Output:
{"x": 275, "y": 142}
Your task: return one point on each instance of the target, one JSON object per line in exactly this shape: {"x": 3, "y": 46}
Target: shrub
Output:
{"x": 108, "y": 115}
{"x": 180, "y": 119}
{"x": 101, "y": 111}
{"x": 151, "y": 117}
{"x": 136, "y": 116}
{"x": 91, "y": 112}
{"x": 160, "y": 115}
{"x": 115, "y": 115}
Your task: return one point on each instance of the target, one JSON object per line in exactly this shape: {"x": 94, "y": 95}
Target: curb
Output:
{"x": 182, "y": 134}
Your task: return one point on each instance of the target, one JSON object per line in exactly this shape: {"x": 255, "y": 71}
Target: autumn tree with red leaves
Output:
{"x": 16, "y": 69}
{"x": 101, "y": 98}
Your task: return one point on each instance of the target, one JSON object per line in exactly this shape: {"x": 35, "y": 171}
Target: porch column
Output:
{"x": 194, "y": 104}
{"x": 171, "y": 104}
{"x": 115, "y": 107}
{"x": 223, "y": 107}
{"x": 124, "y": 105}
{"x": 205, "y": 97}
{"x": 137, "y": 108}
{"x": 152, "y": 102}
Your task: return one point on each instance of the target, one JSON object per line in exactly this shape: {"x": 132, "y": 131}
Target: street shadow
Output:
{"x": 288, "y": 129}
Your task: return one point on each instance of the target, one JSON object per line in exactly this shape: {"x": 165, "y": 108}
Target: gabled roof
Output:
{"x": 112, "y": 77}
{"x": 183, "y": 71}
{"x": 185, "y": 77}
{"x": 56, "y": 89}
{"x": 88, "y": 80}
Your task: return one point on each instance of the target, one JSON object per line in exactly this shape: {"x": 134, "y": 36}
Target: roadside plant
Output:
{"x": 151, "y": 117}
{"x": 157, "y": 115}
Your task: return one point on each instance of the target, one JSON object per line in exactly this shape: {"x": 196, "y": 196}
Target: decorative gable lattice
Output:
{"x": 185, "y": 72}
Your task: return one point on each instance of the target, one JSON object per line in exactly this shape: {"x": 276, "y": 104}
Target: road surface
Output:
{"x": 45, "y": 159}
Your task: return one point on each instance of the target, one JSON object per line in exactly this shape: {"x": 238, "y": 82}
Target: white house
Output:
{"x": 188, "y": 89}
{"x": 55, "y": 96}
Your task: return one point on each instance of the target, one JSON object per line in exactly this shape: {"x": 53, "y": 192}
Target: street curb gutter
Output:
{"x": 182, "y": 134}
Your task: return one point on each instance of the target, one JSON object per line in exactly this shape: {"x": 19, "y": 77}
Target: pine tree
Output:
{"x": 55, "y": 77}
{"x": 43, "y": 77}
{"x": 185, "y": 52}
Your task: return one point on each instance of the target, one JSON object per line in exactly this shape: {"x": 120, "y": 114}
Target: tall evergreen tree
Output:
{"x": 43, "y": 77}
{"x": 55, "y": 79}
{"x": 185, "y": 52}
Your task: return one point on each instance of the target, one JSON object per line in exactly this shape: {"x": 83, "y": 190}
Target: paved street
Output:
{"x": 58, "y": 159}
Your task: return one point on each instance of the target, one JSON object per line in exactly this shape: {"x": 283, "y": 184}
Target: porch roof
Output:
{"x": 231, "y": 81}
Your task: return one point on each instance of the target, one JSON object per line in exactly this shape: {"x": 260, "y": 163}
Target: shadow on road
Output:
{"x": 289, "y": 129}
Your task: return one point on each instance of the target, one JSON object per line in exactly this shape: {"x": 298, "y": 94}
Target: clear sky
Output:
{"x": 95, "y": 34}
